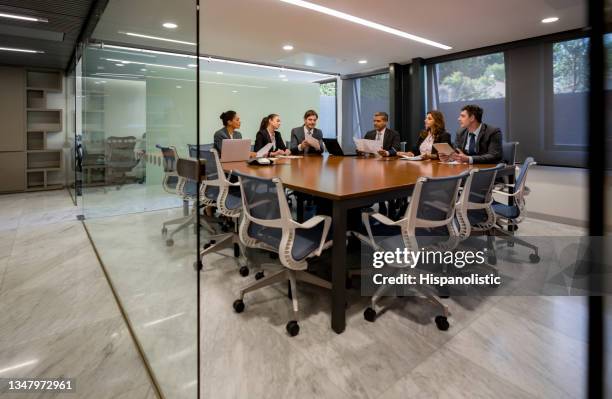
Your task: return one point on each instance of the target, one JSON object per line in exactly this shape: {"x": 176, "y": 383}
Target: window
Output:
{"x": 476, "y": 80}
{"x": 327, "y": 109}
{"x": 570, "y": 60}
{"x": 361, "y": 98}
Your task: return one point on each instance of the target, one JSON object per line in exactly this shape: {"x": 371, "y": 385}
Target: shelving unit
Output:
{"x": 43, "y": 164}
{"x": 94, "y": 136}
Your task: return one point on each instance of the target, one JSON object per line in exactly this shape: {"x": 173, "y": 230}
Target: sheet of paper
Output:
{"x": 313, "y": 142}
{"x": 369, "y": 146}
{"x": 407, "y": 158}
{"x": 451, "y": 162}
{"x": 290, "y": 156}
{"x": 264, "y": 151}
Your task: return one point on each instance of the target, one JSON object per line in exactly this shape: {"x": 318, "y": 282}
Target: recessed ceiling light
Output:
{"x": 163, "y": 39}
{"x": 100, "y": 67}
{"x": 104, "y": 81}
{"x": 287, "y": 47}
{"x": 234, "y": 91}
{"x": 97, "y": 83}
{"x": 21, "y": 50}
{"x": 219, "y": 73}
{"x": 364, "y": 22}
{"x": 22, "y": 17}
{"x": 285, "y": 80}
{"x": 192, "y": 65}
{"x": 119, "y": 64}
{"x": 549, "y": 20}
{"x": 170, "y": 25}
{"x": 143, "y": 69}
{"x": 282, "y": 76}
{"x": 179, "y": 87}
{"x": 363, "y": 61}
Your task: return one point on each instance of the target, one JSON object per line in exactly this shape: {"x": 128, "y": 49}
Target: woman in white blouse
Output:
{"x": 434, "y": 132}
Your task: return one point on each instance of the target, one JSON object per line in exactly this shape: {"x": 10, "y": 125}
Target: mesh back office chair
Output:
{"x": 183, "y": 186}
{"x": 511, "y": 215}
{"x": 120, "y": 159}
{"x": 430, "y": 214}
{"x": 217, "y": 190}
{"x": 193, "y": 149}
{"x": 267, "y": 224}
{"x": 509, "y": 150}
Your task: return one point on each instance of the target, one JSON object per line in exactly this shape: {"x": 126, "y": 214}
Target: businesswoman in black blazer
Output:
{"x": 268, "y": 133}
{"x": 434, "y": 132}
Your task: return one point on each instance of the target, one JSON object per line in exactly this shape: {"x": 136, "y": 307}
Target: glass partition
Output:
{"x": 138, "y": 113}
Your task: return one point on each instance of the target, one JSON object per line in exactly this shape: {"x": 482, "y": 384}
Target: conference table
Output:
{"x": 348, "y": 182}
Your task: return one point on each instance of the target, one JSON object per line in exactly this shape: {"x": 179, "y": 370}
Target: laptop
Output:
{"x": 233, "y": 150}
{"x": 333, "y": 147}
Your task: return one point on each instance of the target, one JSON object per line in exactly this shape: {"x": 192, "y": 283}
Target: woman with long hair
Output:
{"x": 268, "y": 133}
{"x": 434, "y": 132}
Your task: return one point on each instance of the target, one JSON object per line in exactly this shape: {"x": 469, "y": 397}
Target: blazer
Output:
{"x": 442, "y": 138}
{"x": 297, "y": 136}
{"x": 488, "y": 144}
{"x": 391, "y": 140}
{"x": 262, "y": 138}
{"x": 221, "y": 135}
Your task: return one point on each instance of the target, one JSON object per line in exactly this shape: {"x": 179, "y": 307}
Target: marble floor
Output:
{"x": 513, "y": 346}
{"x": 58, "y": 316}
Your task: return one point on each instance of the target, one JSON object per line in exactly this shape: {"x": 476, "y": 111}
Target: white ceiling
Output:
{"x": 256, "y": 30}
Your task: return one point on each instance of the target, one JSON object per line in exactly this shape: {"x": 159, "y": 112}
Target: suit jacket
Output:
{"x": 391, "y": 140}
{"x": 442, "y": 138}
{"x": 488, "y": 144}
{"x": 221, "y": 135}
{"x": 262, "y": 138}
{"x": 297, "y": 136}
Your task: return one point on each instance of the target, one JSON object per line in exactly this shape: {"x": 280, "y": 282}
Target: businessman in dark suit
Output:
{"x": 390, "y": 138}
{"x": 477, "y": 142}
{"x": 299, "y": 145}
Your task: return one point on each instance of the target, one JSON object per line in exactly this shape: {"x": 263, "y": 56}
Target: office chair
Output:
{"x": 174, "y": 183}
{"x": 120, "y": 159}
{"x": 403, "y": 145}
{"x": 511, "y": 215}
{"x": 217, "y": 190}
{"x": 474, "y": 212}
{"x": 193, "y": 149}
{"x": 267, "y": 224}
{"x": 509, "y": 150}
{"x": 431, "y": 212}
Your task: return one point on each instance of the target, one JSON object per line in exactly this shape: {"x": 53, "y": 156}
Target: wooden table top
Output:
{"x": 337, "y": 178}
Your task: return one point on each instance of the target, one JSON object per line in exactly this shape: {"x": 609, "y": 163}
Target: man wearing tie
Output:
{"x": 476, "y": 141}
{"x": 389, "y": 138}
{"x": 299, "y": 144}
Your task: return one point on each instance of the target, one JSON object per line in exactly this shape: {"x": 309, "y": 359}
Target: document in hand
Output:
{"x": 264, "y": 151}
{"x": 314, "y": 143}
{"x": 415, "y": 158}
{"x": 369, "y": 146}
{"x": 444, "y": 148}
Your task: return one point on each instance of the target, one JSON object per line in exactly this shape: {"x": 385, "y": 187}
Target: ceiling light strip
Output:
{"x": 364, "y": 22}
{"x": 22, "y": 17}
{"x": 21, "y": 50}
{"x": 142, "y": 63}
{"x": 163, "y": 39}
{"x": 138, "y": 50}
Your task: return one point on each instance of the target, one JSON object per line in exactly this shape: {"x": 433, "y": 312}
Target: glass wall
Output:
{"x": 70, "y": 153}
{"x": 138, "y": 113}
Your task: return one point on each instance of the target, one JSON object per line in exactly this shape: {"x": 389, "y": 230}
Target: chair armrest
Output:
{"x": 385, "y": 220}
{"x": 505, "y": 194}
{"x": 310, "y": 223}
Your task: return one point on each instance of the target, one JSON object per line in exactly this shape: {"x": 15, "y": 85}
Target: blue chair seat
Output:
{"x": 211, "y": 193}
{"x": 506, "y": 211}
{"x": 477, "y": 216}
{"x": 306, "y": 240}
{"x": 191, "y": 188}
{"x": 233, "y": 199}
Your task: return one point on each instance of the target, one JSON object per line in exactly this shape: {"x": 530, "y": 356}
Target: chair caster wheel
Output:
{"x": 197, "y": 266}
{"x": 238, "y": 305}
{"x": 370, "y": 315}
{"x": 444, "y": 296}
{"x": 164, "y": 232}
{"x": 293, "y": 328}
{"x": 244, "y": 271}
{"x": 259, "y": 275}
{"x": 442, "y": 323}
{"x": 236, "y": 250}
{"x": 534, "y": 258}
{"x": 209, "y": 244}
{"x": 169, "y": 242}
{"x": 492, "y": 260}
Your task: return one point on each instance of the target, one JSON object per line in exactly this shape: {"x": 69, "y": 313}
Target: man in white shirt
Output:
{"x": 299, "y": 143}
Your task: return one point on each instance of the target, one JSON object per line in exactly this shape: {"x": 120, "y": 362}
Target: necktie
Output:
{"x": 378, "y": 136}
{"x": 472, "y": 144}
